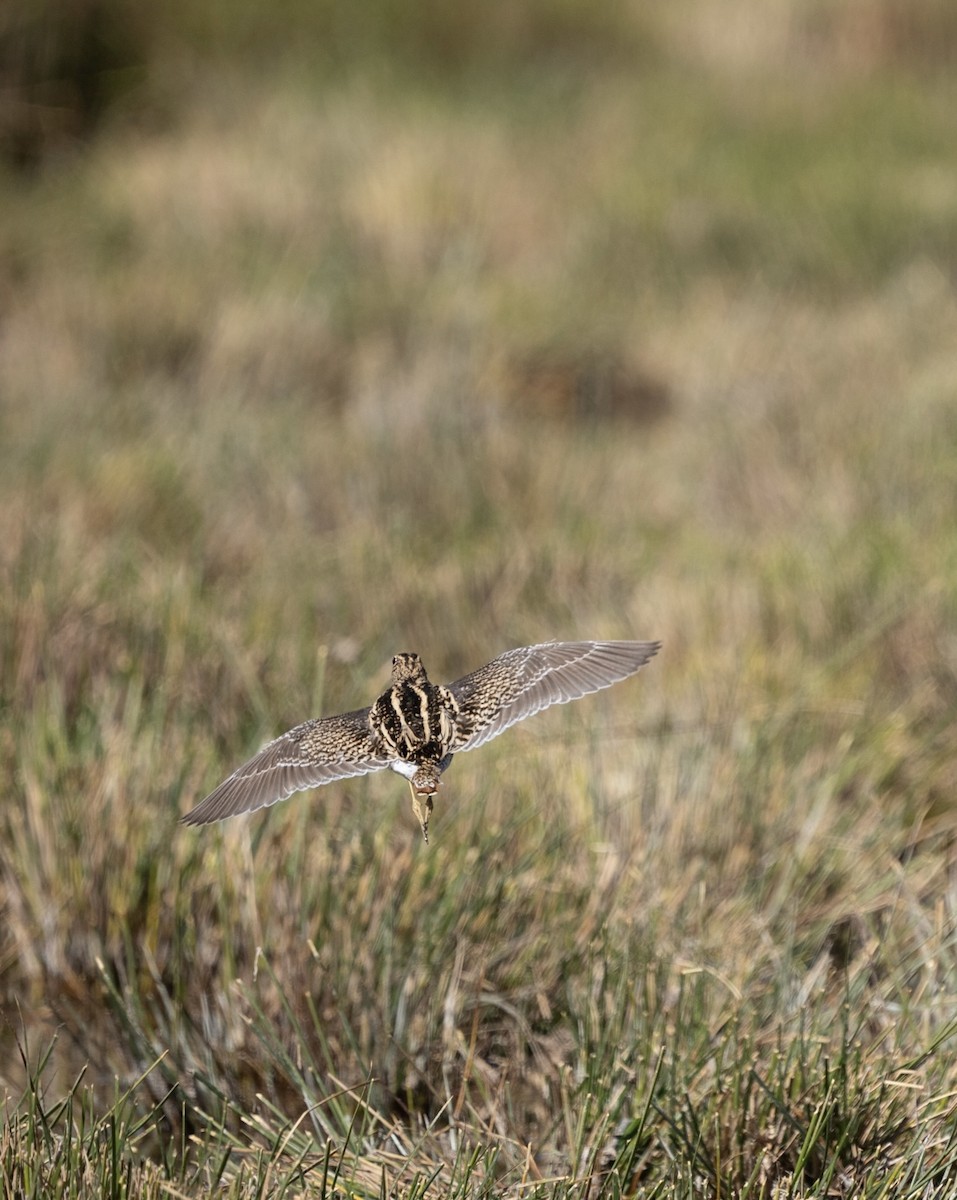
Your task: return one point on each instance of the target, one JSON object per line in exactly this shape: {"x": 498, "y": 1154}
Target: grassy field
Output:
{"x": 570, "y": 324}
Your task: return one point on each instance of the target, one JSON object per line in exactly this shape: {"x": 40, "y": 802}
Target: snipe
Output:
{"x": 416, "y": 726}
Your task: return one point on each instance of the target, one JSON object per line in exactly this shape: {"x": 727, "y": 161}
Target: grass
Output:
{"x": 319, "y": 369}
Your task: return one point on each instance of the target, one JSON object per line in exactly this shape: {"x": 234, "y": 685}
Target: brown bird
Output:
{"x": 416, "y": 726}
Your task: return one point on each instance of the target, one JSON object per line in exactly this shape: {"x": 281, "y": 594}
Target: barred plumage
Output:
{"x": 415, "y": 726}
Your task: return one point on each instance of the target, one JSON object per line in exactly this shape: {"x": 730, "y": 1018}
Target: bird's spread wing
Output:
{"x": 522, "y": 682}
{"x": 313, "y": 753}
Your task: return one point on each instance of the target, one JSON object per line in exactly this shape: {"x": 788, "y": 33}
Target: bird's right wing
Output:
{"x": 313, "y": 753}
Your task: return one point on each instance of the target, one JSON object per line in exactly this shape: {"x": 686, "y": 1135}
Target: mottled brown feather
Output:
{"x": 520, "y": 683}
{"x": 313, "y": 753}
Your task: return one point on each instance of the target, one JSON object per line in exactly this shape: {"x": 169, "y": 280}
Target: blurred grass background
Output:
{"x": 331, "y": 331}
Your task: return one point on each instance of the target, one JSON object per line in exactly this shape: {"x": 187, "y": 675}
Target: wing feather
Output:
{"x": 311, "y": 754}
{"x": 522, "y": 682}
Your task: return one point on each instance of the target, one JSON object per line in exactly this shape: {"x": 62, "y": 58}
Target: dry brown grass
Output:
{"x": 304, "y": 383}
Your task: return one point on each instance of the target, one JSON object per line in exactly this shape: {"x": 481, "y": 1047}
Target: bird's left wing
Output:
{"x": 316, "y": 752}
{"x": 521, "y": 682}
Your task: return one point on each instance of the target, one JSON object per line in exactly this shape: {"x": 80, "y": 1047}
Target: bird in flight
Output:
{"x": 416, "y": 726}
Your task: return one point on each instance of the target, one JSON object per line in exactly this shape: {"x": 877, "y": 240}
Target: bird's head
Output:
{"x": 425, "y": 783}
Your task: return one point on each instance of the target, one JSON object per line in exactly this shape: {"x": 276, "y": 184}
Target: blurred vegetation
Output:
{"x": 331, "y": 331}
